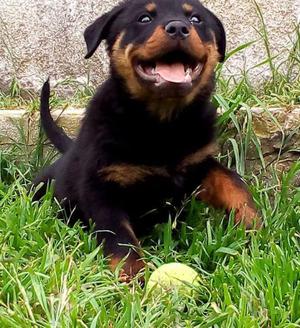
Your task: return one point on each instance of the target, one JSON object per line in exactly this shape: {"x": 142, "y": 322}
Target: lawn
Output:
{"x": 54, "y": 275}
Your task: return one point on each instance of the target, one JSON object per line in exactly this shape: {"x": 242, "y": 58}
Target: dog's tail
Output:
{"x": 56, "y": 134}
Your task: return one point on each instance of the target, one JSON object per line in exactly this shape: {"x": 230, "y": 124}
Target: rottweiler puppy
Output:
{"x": 149, "y": 132}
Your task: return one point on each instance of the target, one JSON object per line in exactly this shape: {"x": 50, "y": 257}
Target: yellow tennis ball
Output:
{"x": 174, "y": 276}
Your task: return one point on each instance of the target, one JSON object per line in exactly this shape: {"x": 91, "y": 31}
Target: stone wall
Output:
{"x": 39, "y": 38}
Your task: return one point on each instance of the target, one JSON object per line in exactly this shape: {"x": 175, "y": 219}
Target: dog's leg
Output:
{"x": 114, "y": 230}
{"x": 123, "y": 245}
{"x": 42, "y": 181}
{"x": 120, "y": 242}
{"x": 223, "y": 188}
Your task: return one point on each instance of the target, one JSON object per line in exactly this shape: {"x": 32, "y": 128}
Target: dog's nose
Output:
{"x": 177, "y": 29}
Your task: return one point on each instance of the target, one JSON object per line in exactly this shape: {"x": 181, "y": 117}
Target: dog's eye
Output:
{"x": 195, "y": 19}
{"x": 145, "y": 19}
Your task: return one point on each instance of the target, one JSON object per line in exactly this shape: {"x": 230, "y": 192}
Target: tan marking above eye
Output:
{"x": 151, "y": 7}
{"x": 187, "y": 8}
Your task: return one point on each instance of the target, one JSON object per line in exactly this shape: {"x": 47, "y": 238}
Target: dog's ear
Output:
{"x": 99, "y": 29}
{"x": 220, "y": 35}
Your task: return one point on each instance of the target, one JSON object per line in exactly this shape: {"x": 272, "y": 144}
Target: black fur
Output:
{"x": 119, "y": 129}
{"x": 57, "y": 136}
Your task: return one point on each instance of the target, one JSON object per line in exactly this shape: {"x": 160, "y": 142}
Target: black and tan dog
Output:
{"x": 148, "y": 134}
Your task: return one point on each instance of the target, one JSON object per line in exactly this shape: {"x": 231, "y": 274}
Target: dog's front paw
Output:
{"x": 128, "y": 267}
{"x": 247, "y": 216}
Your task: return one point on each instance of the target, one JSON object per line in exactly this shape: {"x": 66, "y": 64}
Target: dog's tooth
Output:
{"x": 153, "y": 71}
{"x": 188, "y": 75}
{"x": 199, "y": 67}
{"x": 188, "y": 78}
{"x": 188, "y": 71}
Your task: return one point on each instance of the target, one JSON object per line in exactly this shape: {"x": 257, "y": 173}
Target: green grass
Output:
{"x": 282, "y": 89}
{"x": 17, "y": 97}
{"x": 53, "y": 275}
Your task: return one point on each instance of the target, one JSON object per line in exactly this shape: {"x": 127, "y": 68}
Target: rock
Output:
{"x": 45, "y": 38}
{"x": 278, "y": 130}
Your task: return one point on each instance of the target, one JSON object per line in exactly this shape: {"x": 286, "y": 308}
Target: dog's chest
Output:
{"x": 147, "y": 155}
{"x": 161, "y": 144}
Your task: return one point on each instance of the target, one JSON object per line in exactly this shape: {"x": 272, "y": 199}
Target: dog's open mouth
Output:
{"x": 175, "y": 67}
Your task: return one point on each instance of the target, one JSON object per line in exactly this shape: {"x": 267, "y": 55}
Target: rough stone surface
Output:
{"x": 14, "y": 126}
{"x": 39, "y": 38}
{"x": 22, "y": 126}
{"x": 278, "y": 130}
{"x": 267, "y": 122}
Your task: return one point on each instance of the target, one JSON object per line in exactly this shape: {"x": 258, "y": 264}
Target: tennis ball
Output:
{"x": 173, "y": 276}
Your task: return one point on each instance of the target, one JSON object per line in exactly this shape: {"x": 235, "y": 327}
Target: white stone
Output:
{"x": 41, "y": 38}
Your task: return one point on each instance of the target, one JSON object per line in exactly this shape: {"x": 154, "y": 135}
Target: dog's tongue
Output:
{"x": 171, "y": 72}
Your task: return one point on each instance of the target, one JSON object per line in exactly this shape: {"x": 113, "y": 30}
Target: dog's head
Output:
{"x": 165, "y": 51}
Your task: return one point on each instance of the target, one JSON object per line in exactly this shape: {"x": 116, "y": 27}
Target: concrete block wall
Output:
{"x": 39, "y": 38}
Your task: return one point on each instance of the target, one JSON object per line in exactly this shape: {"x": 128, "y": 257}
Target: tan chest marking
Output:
{"x": 128, "y": 174}
{"x": 198, "y": 156}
